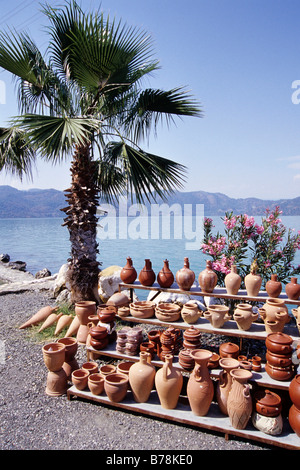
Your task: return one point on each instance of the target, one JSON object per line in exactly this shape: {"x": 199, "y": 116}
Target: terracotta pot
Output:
{"x": 71, "y": 346}
{"x": 294, "y": 419}
{"x": 185, "y": 277}
{"x": 96, "y": 383}
{"x": 274, "y": 326}
{"x": 185, "y": 359}
{"x": 253, "y": 282}
{"x": 141, "y": 378}
{"x": 165, "y": 277}
{"x": 98, "y": 332}
{"x": 213, "y": 362}
{"x": 191, "y": 338}
{"x": 83, "y": 310}
{"x": 128, "y": 274}
{"x": 200, "y": 389}
{"x": 93, "y": 320}
{"x": 294, "y": 391}
{"x": 279, "y": 373}
{"x": 107, "y": 314}
{"x": 124, "y": 366}
{"x": 239, "y": 404}
{"x": 190, "y": 313}
{"x": 229, "y": 350}
{"x": 147, "y": 275}
{"x": 217, "y": 315}
{"x": 244, "y": 316}
{"x": 98, "y": 344}
{"x": 39, "y": 316}
{"x": 148, "y": 347}
{"x": 142, "y": 309}
{"x": 168, "y": 383}
{"x": 154, "y": 337}
{"x": 273, "y": 287}
{"x": 278, "y": 360}
{"x": 107, "y": 369}
{"x": 275, "y": 310}
{"x": 256, "y": 363}
{"x": 116, "y": 386}
{"x": 225, "y": 382}
{"x": 80, "y": 378}
{"x": 208, "y": 278}
{"x": 91, "y": 367}
{"x": 168, "y": 312}
{"x": 233, "y": 281}
{"x": 57, "y": 383}
{"x": 123, "y": 312}
{"x": 54, "y": 356}
{"x": 279, "y": 343}
{"x": 292, "y": 289}
{"x": 267, "y": 403}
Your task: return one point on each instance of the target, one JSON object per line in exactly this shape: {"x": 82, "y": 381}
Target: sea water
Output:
{"x": 44, "y": 242}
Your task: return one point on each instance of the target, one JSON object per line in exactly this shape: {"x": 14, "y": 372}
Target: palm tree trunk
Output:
{"x": 81, "y": 221}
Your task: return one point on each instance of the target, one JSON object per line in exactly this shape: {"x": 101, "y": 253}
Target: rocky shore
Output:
{"x": 31, "y": 420}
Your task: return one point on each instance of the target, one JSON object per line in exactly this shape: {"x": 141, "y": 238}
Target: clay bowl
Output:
{"x": 142, "y": 309}
{"x": 79, "y": 378}
{"x": 167, "y": 315}
{"x": 279, "y": 373}
{"x": 71, "y": 346}
{"x": 267, "y": 403}
{"x": 96, "y": 383}
{"x": 99, "y": 343}
{"x": 91, "y": 367}
{"x": 98, "y": 332}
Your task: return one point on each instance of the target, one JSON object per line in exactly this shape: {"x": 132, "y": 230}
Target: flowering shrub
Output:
{"x": 271, "y": 244}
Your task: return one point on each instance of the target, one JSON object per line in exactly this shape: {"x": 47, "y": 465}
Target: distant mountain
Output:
{"x": 33, "y": 203}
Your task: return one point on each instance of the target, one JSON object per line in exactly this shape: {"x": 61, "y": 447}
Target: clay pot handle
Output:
{"x": 246, "y": 391}
{"x": 197, "y": 372}
{"x": 262, "y": 312}
{"x": 254, "y": 316}
{"x": 222, "y": 379}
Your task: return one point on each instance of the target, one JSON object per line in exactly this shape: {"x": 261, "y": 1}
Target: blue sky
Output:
{"x": 239, "y": 58}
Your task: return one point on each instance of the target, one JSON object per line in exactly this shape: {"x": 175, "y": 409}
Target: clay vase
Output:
{"x": 39, "y": 316}
{"x": 200, "y": 389}
{"x": 116, "y": 386}
{"x": 225, "y": 382}
{"x": 239, "y": 403}
{"x": 165, "y": 277}
{"x": 83, "y": 310}
{"x": 253, "y": 282}
{"x": 273, "y": 287}
{"x": 79, "y": 378}
{"x": 147, "y": 275}
{"x": 229, "y": 350}
{"x": 217, "y": 315}
{"x": 96, "y": 383}
{"x": 233, "y": 281}
{"x": 141, "y": 378}
{"x": 128, "y": 274}
{"x": 208, "y": 278}
{"x": 292, "y": 289}
{"x": 190, "y": 313}
{"x": 185, "y": 277}
{"x": 244, "y": 316}
{"x": 168, "y": 384}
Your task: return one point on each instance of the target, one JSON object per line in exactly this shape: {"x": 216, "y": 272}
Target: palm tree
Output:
{"x": 84, "y": 98}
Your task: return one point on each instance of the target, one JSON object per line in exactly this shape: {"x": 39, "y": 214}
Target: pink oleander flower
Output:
{"x": 249, "y": 221}
{"x": 230, "y": 222}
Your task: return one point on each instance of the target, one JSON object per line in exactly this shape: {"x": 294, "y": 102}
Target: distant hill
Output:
{"x": 33, "y": 203}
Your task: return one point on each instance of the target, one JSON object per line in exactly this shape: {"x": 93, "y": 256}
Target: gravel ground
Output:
{"x": 31, "y": 420}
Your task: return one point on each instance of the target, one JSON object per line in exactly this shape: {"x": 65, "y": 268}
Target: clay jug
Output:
{"x": 225, "y": 382}
{"x": 165, "y": 277}
{"x": 185, "y": 277}
{"x": 233, "y": 281}
{"x": 208, "y": 278}
{"x": 217, "y": 315}
{"x": 83, "y": 310}
{"x": 253, "y": 281}
{"x": 292, "y": 289}
{"x": 273, "y": 287}
{"x": 239, "y": 403}
{"x": 190, "y": 313}
{"x": 200, "y": 389}
{"x": 141, "y": 378}
{"x": 147, "y": 275}
{"x": 244, "y": 316}
{"x": 168, "y": 383}
{"x": 128, "y": 274}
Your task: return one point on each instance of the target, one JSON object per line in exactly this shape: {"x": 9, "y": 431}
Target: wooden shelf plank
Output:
{"x": 214, "y": 420}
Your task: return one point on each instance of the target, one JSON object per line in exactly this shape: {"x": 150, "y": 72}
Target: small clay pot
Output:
{"x": 213, "y": 362}
{"x": 278, "y": 360}
{"x": 99, "y": 343}
{"x": 96, "y": 383}
{"x": 123, "y": 312}
{"x": 267, "y": 403}
{"x": 185, "y": 359}
{"x": 79, "y": 378}
{"x": 54, "y": 356}
{"x": 294, "y": 419}
{"x": 279, "y": 343}
{"x": 229, "y": 350}
{"x": 292, "y": 289}
{"x": 116, "y": 386}
{"x": 279, "y": 373}
{"x": 294, "y": 390}
{"x": 91, "y": 367}
{"x": 124, "y": 366}
{"x": 71, "y": 346}
{"x": 107, "y": 369}
{"x": 149, "y": 347}
{"x": 107, "y": 314}
{"x": 98, "y": 332}
{"x": 256, "y": 363}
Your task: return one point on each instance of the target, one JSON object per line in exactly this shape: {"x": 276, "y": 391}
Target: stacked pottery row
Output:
{"x": 279, "y": 364}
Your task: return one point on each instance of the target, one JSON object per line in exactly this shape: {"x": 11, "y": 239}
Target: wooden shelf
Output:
{"x": 213, "y": 421}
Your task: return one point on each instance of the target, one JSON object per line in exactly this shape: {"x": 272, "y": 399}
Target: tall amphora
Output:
{"x": 200, "y": 389}
{"x": 239, "y": 402}
{"x": 168, "y": 383}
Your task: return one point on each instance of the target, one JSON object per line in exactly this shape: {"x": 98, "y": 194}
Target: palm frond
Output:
{"x": 16, "y": 155}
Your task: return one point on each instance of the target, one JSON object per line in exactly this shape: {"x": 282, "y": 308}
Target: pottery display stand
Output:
{"x": 214, "y": 420}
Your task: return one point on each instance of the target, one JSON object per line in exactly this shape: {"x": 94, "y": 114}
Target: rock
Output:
{"x": 42, "y": 273}
{"x": 109, "y": 280}
{"x": 20, "y": 265}
{"x": 64, "y": 297}
{"x": 61, "y": 280}
{"x": 4, "y": 257}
